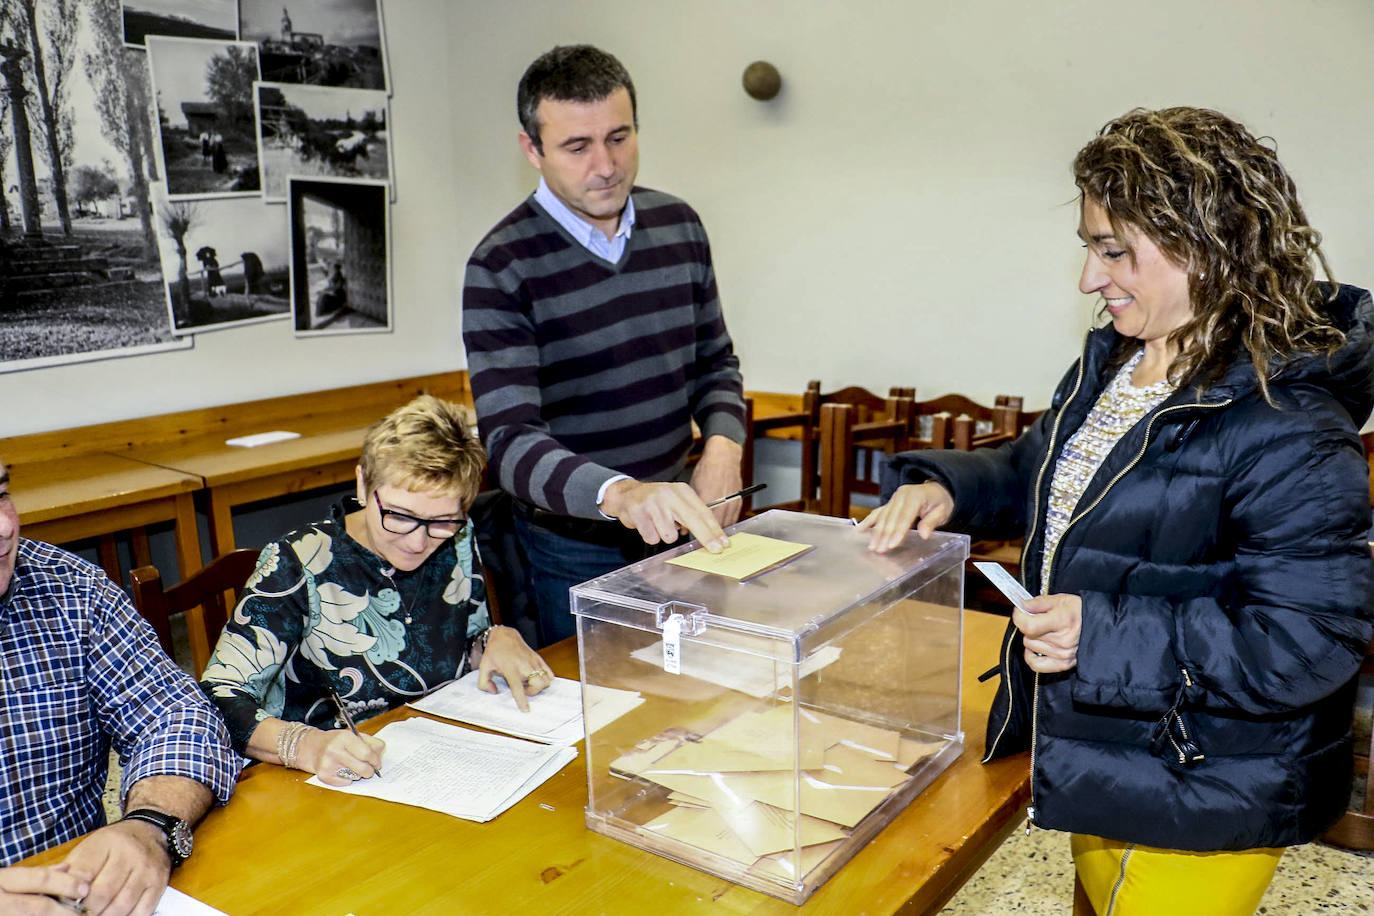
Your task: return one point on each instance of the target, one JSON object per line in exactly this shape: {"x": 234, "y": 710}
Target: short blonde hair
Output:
{"x": 426, "y": 445}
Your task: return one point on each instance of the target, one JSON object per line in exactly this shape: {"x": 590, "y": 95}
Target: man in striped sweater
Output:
{"x": 594, "y": 338}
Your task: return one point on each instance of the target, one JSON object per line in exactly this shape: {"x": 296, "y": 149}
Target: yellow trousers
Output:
{"x": 1123, "y": 879}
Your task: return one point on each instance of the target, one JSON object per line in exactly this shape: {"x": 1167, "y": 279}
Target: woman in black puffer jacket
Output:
{"x": 1195, "y": 506}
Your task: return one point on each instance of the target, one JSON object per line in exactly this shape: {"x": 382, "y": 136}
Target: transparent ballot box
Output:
{"x": 785, "y": 716}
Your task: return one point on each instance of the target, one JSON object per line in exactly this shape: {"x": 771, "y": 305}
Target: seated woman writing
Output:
{"x": 381, "y": 603}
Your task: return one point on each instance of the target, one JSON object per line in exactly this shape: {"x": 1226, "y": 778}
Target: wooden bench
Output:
{"x": 107, "y": 478}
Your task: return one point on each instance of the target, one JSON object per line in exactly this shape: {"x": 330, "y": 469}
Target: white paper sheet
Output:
{"x": 256, "y": 439}
{"x": 555, "y": 715}
{"x": 175, "y": 903}
{"x": 467, "y": 774}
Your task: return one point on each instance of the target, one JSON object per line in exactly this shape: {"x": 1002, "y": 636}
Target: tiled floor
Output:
{"x": 1033, "y": 876}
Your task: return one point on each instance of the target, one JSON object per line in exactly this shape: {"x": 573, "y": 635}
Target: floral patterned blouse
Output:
{"x": 323, "y": 612}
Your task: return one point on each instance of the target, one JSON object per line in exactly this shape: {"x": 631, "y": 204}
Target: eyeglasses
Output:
{"x": 401, "y": 523}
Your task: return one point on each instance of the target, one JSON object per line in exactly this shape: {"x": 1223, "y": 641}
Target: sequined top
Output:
{"x": 1120, "y": 406}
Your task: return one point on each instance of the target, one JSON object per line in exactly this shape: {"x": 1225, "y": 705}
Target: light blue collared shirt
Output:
{"x": 590, "y": 237}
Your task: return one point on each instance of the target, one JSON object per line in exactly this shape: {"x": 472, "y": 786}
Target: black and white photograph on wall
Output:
{"x": 225, "y": 261}
{"x": 218, "y": 19}
{"x": 309, "y": 131}
{"x": 318, "y": 42}
{"x": 208, "y": 141}
{"x": 340, "y": 242}
{"x": 79, "y": 272}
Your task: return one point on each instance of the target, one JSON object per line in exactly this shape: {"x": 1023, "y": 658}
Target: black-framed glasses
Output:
{"x": 401, "y": 523}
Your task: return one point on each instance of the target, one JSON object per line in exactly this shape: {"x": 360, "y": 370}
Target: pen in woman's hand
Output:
{"x": 348, "y": 720}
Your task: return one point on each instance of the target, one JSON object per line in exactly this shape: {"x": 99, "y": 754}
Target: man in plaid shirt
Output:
{"x": 81, "y": 671}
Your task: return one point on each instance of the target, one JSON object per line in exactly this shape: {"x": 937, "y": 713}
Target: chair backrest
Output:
{"x": 957, "y": 422}
{"x": 864, "y": 408}
{"x": 202, "y": 598}
{"x": 849, "y": 459}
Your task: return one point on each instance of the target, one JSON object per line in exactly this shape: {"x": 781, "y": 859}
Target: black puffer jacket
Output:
{"x": 1220, "y": 553}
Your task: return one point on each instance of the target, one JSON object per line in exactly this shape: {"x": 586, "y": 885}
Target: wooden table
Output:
{"x": 331, "y": 425}
{"x": 82, "y": 496}
{"x": 285, "y": 847}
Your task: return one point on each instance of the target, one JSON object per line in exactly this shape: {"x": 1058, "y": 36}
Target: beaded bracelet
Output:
{"x": 288, "y": 742}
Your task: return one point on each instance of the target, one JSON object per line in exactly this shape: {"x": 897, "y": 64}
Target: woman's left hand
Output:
{"x": 508, "y": 655}
{"x": 1050, "y": 631}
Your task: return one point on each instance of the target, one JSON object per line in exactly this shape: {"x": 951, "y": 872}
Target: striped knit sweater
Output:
{"x": 583, "y": 369}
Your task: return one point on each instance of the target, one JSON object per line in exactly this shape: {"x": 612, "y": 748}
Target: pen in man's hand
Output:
{"x": 348, "y": 720}
{"x": 738, "y": 494}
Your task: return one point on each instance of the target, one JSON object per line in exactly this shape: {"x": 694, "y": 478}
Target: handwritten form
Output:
{"x": 747, "y": 556}
{"x": 457, "y": 771}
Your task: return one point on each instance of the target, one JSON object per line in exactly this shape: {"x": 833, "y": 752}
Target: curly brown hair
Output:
{"x": 425, "y": 446}
{"x": 1219, "y": 205}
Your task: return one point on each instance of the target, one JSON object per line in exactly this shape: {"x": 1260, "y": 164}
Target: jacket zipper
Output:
{"x": 1049, "y": 563}
{"x": 1030, "y": 536}
{"x": 1048, "y": 572}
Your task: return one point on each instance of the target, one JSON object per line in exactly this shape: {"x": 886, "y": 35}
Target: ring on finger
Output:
{"x": 346, "y": 773}
{"x": 535, "y": 675}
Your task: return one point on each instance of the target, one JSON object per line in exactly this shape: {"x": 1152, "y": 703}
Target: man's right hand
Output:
{"x": 25, "y": 890}
{"x": 655, "y": 510}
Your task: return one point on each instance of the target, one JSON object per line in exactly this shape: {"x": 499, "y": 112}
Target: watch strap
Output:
{"x": 177, "y": 831}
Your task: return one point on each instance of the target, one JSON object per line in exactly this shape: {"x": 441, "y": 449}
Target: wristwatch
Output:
{"x": 179, "y": 839}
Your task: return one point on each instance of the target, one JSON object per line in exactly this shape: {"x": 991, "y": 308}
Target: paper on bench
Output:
{"x": 256, "y": 439}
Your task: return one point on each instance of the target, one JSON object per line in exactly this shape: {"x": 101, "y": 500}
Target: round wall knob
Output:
{"x": 762, "y": 80}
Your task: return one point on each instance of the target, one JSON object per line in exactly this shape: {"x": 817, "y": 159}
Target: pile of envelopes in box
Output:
{"x": 732, "y": 790}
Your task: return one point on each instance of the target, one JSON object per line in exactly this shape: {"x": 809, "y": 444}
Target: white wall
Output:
{"x": 901, "y": 214}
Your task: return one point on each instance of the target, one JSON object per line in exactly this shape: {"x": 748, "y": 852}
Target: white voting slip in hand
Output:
{"x": 1006, "y": 583}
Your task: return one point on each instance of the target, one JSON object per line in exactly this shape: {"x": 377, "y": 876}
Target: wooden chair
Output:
{"x": 957, "y": 422}
{"x": 867, "y": 407}
{"x": 1355, "y": 829}
{"x": 202, "y": 598}
{"x": 850, "y": 454}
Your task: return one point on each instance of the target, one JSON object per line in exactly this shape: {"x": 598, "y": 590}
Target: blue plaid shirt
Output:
{"x": 81, "y": 671}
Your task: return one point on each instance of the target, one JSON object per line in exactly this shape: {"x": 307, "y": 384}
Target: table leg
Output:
{"x": 221, "y": 523}
{"x": 109, "y": 558}
{"x": 189, "y": 561}
{"x": 143, "y": 555}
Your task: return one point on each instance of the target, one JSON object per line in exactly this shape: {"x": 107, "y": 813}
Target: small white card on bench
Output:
{"x": 278, "y": 435}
